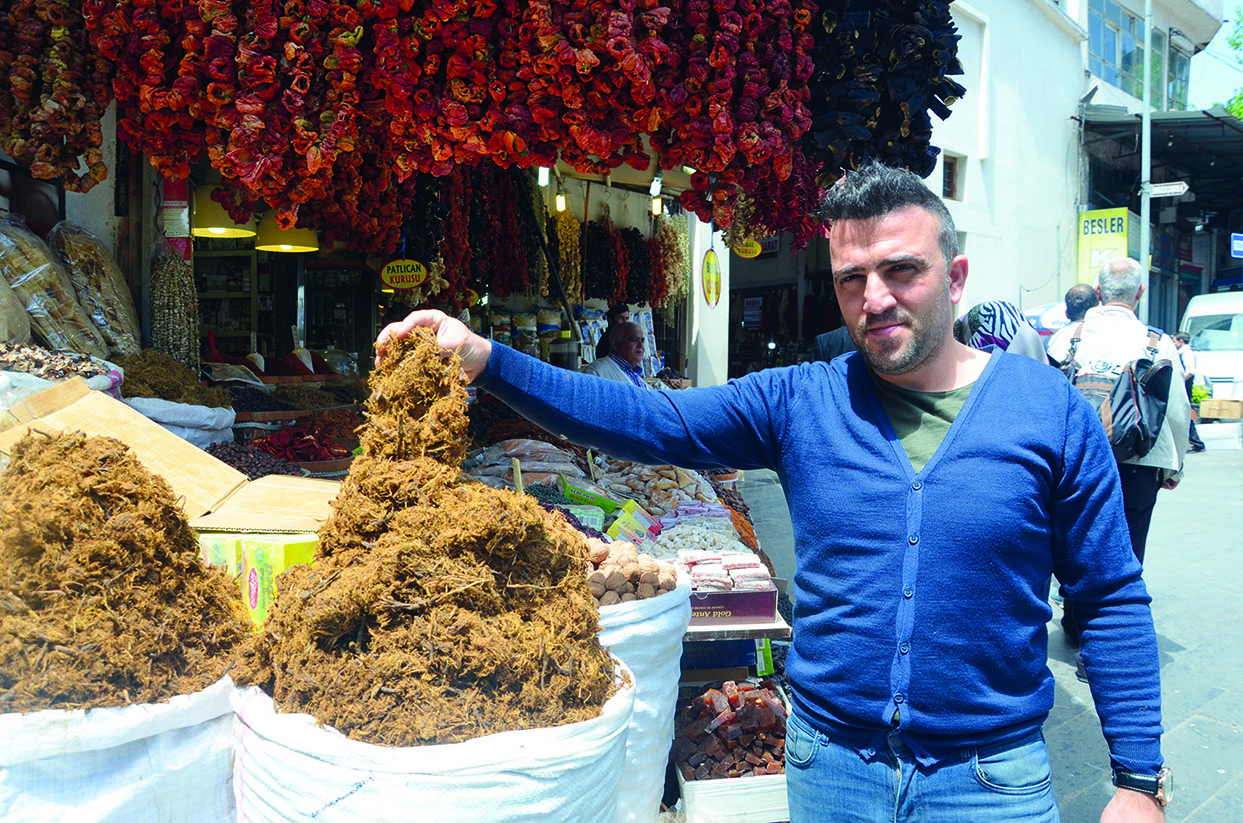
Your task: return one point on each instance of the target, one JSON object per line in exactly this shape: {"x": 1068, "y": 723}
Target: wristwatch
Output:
{"x": 1159, "y": 785}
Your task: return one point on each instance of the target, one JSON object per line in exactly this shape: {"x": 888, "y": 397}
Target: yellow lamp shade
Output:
{"x": 273, "y": 238}
{"x": 211, "y": 220}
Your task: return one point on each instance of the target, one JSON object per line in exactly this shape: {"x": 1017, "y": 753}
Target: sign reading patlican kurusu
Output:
{"x": 404, "y": 274}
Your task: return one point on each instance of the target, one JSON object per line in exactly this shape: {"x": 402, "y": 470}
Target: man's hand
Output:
{"x": 1172, "y": 483}
{"x": 451, "y": 334}
{"x": 1133, "y": 807}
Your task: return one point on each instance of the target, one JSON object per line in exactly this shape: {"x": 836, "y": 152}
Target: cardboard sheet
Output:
{"x": 206, "y": 484}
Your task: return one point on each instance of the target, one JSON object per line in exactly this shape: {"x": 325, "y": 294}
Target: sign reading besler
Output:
{"x": 404, "y": 274}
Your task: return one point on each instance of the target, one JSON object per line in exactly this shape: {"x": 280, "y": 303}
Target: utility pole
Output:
{"x": 1145, "y": 163}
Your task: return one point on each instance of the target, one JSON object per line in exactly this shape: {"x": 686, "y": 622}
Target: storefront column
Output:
{"x": 707, "y": 327}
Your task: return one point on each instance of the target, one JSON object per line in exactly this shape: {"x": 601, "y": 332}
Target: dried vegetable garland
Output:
{"x": 568, "y": 232}
{"x": 659, "y": 289}
{"x": 639, "y": 277}
{"x": 618, "y": 295}
{"x": 880, "y": 69}
{"x": 327, "y": 110}
{"x": 599, "y": 261}
{"x": 674, "y": 236}
{"x": 53, "y": 92}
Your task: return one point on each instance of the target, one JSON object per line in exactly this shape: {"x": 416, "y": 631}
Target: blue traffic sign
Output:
{"x": 1236, "y": 245}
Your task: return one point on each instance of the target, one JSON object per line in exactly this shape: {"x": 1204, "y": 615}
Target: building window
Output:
{"x": 951, "y": 177}
{"x": 1116, "y": 53}
{"x": 1180, "y": 79}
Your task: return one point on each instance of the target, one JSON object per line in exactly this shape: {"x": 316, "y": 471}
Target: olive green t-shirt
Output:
{"x": 920, "y": 419}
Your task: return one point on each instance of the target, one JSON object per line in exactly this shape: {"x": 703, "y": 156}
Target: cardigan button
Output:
{"x": 914, "y": 538}
{"x": 917, "y": 485}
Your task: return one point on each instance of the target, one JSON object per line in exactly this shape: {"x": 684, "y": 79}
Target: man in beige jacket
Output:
{"x": 1111, "y": 335}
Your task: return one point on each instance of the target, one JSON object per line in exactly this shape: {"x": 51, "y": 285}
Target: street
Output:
{"x": 1194, "y": 539}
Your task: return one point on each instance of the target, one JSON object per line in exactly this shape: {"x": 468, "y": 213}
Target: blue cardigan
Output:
{"x": 922, "y": 594}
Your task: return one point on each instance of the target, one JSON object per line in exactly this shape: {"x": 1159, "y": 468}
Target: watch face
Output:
{"x": 1165, "y": 786}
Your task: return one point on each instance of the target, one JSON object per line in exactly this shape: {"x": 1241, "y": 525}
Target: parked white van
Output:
{"x": 1215, "y": 323}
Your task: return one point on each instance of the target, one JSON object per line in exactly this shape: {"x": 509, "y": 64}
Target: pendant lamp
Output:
{"x": 211, "y": 220}
{"x": 273, "y": 238}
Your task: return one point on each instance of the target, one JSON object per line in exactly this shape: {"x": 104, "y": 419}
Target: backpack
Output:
{"x": 1129, "y": 398}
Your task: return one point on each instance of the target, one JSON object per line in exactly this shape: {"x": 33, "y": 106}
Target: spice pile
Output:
{"x": 251, "y": 462}
{"x": 438, "y": 610}
{"x": 49, "y": 365}
{"x": 151, "y": 374}
{"x": 103, "y": 599}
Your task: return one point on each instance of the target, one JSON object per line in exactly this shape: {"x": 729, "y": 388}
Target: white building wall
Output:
{"x": 1017, "y": 145}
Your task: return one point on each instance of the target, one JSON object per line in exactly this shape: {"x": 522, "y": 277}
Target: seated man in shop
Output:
{"x": 625, "y": 355}
{"x": 617, "y": 313}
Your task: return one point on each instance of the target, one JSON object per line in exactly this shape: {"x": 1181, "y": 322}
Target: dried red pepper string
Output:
{"x": 326, "y": 110}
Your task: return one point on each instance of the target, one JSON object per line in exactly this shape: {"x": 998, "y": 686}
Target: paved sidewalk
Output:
{"x": 1195, "y": 548}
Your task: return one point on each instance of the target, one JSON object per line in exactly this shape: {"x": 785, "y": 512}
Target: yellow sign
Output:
{"x": 711, "y": 277}
{"x": 1103, "y": 235}
{"x": 749, "y": 249}
{"x": 404, "y": 274}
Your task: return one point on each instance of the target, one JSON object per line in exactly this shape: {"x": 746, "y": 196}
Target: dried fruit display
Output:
{"x": 438, "y": 610}
{"x": 54, "y": 90}
{"x": 737, "y": 729}
{"x": 50, "y": 365}
{"x": 105, "y": 600}
{"x": 674, "y": 236}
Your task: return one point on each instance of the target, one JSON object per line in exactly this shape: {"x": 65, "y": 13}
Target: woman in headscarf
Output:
{"x": 1001, "y": 324}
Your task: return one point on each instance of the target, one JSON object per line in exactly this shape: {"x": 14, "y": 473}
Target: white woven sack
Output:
{"x": 186, "y": 415}
{"x": 647, "y": 635}
{"x": 151, "y": 763}
{"x": 288, "y": 768}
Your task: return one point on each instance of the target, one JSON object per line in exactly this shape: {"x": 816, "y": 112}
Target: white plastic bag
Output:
{"x": 150, "y": 763}
{"x": 647, "y": 635}
{"x": 288, "y": 768}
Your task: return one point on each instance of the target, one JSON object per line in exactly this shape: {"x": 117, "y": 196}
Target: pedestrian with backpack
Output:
{"x": 1113, "y": 349}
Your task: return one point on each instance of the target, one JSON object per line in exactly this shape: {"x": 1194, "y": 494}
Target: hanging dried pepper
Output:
{"x": 53, "y": 92}
{"x": 659, "y": 290}
{"x": 639, "y": 276}
{"x": 599, "y": 262}
{"x": 455, "y": 248}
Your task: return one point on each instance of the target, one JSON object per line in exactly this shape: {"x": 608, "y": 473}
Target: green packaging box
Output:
{"x": 264, "y": 557}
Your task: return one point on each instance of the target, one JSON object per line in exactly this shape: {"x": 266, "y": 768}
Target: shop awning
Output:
{"x": 1203, "y": 148}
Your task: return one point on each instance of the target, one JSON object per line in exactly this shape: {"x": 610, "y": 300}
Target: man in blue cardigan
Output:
{"x": 933, "y": 489}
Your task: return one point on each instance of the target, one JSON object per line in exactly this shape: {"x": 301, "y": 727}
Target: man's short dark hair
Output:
{"x": 615, "y": 311}
{"x": 1183, "y": 337}
{"x": 876, "y": 190}
{"x": 1079, "y": 299}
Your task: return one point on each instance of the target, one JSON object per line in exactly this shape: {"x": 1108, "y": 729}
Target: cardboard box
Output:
{"x": 735, "y": 799}
{"x": 216, "y": 496}
{"x": 264, "y": 557}
{"x": 733, "y": 608}
{"x": 1221, "y": 409}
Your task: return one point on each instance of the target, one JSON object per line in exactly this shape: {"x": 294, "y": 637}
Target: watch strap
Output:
{"x": 1158, "y": 785}
{"x": 1146, "y": 783}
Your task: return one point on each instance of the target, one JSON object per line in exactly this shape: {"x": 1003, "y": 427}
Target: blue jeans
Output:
{"x": 831, "y": 783}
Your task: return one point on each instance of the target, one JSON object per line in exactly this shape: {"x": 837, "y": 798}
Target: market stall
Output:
{"x": 386, "y": 574}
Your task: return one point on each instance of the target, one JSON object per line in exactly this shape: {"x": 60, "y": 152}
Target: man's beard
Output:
{"x": 892, "y": 356}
